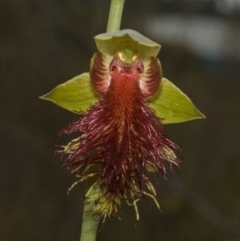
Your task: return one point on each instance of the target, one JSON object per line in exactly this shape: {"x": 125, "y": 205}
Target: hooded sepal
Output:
{"x": 110, "y": 43}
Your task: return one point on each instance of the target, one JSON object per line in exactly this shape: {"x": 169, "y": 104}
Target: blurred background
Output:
{"x": 46, "y": 42}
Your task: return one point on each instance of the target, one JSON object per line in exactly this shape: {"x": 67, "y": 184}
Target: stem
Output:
{"x": 115, "y": 15}
{"x": 89, "y": 225}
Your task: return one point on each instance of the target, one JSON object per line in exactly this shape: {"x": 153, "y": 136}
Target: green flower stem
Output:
{"x": 89, "y": 225}
{"x": 115, "y": 15}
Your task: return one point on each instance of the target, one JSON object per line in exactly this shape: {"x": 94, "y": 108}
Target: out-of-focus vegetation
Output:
{"x": 44, "y": 43}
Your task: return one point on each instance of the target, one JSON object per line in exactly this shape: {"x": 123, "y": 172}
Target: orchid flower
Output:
{"x": 123, "y": 103}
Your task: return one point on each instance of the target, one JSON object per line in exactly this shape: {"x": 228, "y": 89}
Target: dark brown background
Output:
{"x": 46, "y": 42}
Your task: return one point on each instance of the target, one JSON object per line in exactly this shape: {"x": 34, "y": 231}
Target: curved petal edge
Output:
{"x": 172, "y": 105}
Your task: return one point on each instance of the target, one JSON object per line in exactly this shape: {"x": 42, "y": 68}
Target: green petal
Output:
{"x": 74, "y": 95}
{"x": 172, "y": 105}
{"x": 110, "y": 43}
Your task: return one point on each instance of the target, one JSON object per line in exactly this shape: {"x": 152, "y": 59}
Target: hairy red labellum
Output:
{"x": 120, "y": 135}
